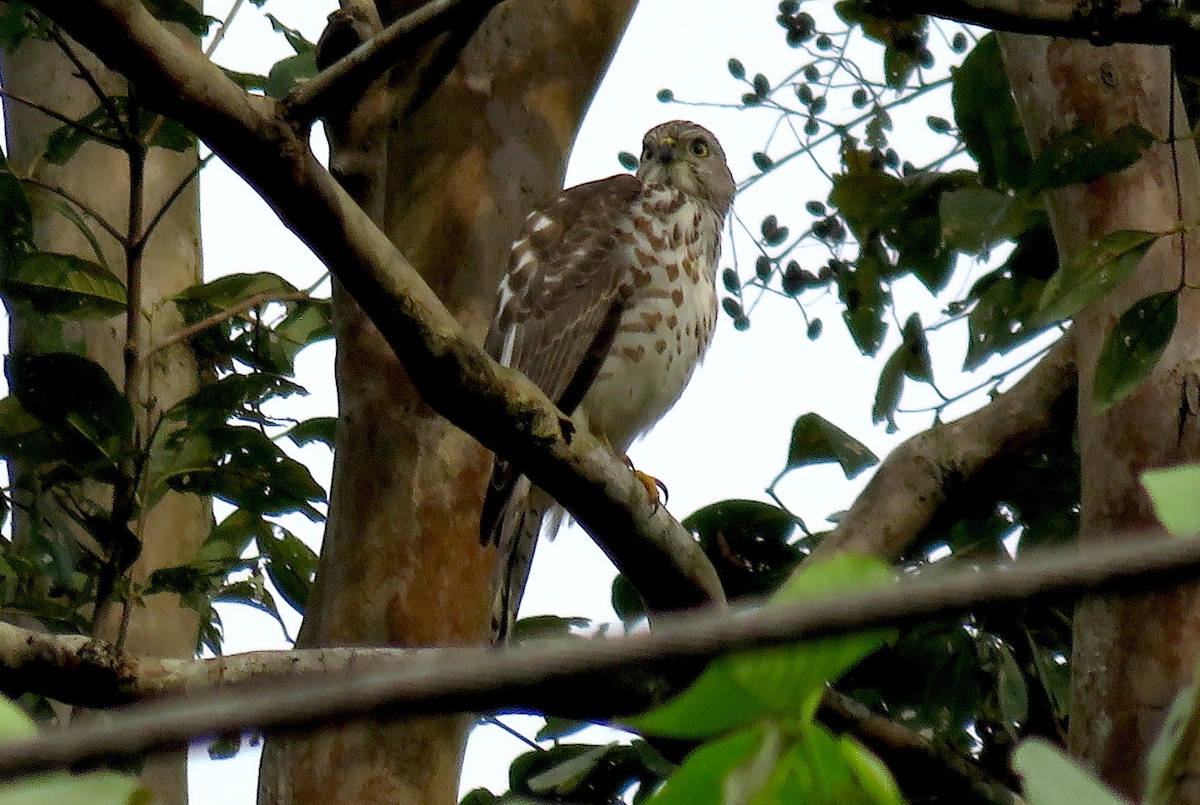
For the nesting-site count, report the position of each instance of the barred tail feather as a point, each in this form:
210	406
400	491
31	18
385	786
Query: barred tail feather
516	532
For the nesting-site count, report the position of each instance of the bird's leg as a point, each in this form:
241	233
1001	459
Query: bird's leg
653	485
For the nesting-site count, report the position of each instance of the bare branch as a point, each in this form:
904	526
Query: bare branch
1102	23
498	406
61	118
920	475
485	680
83	206
348	76
173	196
224	315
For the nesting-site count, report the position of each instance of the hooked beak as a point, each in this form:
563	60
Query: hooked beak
663	151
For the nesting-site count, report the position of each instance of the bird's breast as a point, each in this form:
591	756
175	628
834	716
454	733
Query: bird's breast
670	312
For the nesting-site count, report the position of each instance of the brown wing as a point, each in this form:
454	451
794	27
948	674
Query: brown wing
559	306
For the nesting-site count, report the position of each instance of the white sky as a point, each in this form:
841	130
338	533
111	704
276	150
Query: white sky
728	435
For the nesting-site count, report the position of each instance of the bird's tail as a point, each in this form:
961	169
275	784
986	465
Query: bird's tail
516	533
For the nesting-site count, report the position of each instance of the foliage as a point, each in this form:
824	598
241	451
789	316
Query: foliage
89	455
98	788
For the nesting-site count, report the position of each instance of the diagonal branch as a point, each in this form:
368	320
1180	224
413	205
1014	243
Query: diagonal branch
1102	23
349	75
532	676
924	472
498	406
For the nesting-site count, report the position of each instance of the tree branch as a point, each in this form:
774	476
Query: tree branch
1101	23
531	676
498	406
921	474
350	75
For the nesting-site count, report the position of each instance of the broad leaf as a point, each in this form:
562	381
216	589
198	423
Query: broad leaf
1082	155
287	73
315	429
65	285
16	218
816	440
1133	347
788	681
1173	491
987	117
291	566
1093	272
751	544
976	219
1052	778
182	12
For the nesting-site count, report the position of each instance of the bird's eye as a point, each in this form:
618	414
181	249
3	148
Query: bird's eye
700	148
646	154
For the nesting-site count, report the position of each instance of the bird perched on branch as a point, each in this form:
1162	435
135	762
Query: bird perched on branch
608	305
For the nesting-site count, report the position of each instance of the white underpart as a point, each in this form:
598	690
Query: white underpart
629	397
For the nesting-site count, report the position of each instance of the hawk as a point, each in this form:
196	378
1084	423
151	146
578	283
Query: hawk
608	305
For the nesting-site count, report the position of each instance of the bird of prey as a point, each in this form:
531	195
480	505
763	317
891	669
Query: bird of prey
608	305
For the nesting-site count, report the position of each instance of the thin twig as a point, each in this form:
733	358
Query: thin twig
489	680
89	78
349	74
83	206
60	117
220	34
216	318
172	198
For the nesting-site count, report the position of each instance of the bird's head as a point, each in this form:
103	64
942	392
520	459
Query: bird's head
687	157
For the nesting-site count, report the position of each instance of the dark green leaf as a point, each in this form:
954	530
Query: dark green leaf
479	796
1093	272
627	602
225	747
548	627
247	81
253	593
15	25
293	36
976	219
1133	347
66	140
182	12
891	386
232	289
65	285
317	429
557	727
1082	155
287	73
75	396
917	363
291	565
816	440
16	219
1011	690
750	543
986	116
242	466
863	294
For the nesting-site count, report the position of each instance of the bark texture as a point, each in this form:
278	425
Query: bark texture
99	176
401	563
1131	653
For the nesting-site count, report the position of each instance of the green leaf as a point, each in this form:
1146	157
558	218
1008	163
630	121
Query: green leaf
816	440
986	116
891	386
15	26
1133	347
1082	155
199	301
291	566
1052	778
97	788
293	36
566	776
242	466
182	12
16	218
750	543
247	81
65	141
1173	491
975	219
1169	761
1093	272
1006	299
788	681
627	602
287	73
76	397
315	429
65	285
701	778
1011	689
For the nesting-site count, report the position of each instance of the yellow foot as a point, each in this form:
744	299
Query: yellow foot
653	486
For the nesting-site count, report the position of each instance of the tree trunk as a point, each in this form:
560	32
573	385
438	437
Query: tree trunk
401	562
1131	654
98	175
